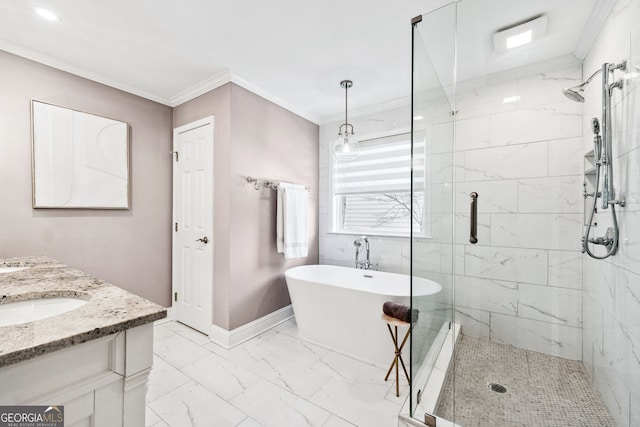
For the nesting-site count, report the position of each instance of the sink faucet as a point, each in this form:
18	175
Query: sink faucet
359	243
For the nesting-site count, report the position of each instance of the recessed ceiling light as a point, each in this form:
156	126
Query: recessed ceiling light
47	14
509	99
520	34
418	118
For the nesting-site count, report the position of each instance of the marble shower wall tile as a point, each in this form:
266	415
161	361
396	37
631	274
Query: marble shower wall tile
475	323
546	87
462	229
611	286
550	304
541	231
566	157
473	133
426	255
551	121
551	195
511	162
496	296
441	138
629	252
544	337
565	269
516	265
493	196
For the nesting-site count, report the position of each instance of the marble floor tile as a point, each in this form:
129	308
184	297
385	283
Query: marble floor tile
179	351
301	351
162	331
163	379
282	369
193	405
221	376
351	370
193	335
276	407
250	422
270	380
336	421
289	327
358	404
152	419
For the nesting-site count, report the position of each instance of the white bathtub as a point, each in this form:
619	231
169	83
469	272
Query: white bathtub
340	308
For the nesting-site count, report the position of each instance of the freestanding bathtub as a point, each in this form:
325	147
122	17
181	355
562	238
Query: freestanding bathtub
340	307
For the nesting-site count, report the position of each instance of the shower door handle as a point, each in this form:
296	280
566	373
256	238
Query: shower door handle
473	232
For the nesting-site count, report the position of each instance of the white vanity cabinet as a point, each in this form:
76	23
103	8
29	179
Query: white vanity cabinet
101	382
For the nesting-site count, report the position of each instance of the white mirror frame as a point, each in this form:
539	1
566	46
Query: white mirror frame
79	160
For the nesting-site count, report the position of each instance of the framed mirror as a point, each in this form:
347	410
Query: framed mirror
79	160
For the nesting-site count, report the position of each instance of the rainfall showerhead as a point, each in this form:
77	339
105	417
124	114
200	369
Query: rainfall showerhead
574	93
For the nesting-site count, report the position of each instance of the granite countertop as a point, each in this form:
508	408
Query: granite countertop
109	309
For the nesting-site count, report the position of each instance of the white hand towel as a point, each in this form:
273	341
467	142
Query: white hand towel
280	220
292	220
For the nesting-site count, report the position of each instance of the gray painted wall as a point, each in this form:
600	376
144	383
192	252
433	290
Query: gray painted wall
253	137
267	142
129	248
217	103
132	248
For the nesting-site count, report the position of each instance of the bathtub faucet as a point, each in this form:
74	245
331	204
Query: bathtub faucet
359	243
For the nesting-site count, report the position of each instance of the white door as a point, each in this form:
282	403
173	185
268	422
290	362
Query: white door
193	224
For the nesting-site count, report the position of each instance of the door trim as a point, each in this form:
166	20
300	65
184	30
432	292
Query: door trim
209	120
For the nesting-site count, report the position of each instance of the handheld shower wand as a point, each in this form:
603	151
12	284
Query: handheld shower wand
602	155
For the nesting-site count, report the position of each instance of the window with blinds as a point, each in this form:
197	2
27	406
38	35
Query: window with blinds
373	192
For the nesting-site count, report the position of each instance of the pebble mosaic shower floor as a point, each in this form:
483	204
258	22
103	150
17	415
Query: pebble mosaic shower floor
542	390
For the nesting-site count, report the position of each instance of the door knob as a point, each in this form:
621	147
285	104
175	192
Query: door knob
204	240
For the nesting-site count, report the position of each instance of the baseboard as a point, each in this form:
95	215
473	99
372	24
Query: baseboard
230	339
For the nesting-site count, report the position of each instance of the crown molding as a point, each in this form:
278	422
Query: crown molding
226	76
240	81
43	58
219	79
599	15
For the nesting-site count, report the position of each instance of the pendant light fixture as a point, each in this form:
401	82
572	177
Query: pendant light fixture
346	147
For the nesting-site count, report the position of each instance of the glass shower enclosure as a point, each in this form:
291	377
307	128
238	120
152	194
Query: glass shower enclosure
526	329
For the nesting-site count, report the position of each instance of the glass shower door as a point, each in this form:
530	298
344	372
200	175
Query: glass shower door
542	341
432	248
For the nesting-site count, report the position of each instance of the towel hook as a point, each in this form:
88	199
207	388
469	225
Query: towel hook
256	183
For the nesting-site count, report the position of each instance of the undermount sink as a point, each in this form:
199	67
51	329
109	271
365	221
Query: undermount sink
10	269
13	313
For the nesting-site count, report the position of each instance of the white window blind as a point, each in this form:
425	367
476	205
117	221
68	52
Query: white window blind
373	192
383	166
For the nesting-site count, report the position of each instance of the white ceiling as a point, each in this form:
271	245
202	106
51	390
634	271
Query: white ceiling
296	52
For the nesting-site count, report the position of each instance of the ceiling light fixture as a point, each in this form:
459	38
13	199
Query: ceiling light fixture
346	148
47	14
519	39
418	117
520	34
510	99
